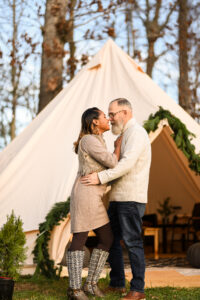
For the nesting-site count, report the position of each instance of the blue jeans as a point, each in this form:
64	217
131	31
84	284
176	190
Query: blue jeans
126	224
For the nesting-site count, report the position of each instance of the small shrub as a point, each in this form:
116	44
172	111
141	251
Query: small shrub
12	250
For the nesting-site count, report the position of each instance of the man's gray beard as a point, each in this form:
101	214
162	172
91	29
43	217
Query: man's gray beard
117	128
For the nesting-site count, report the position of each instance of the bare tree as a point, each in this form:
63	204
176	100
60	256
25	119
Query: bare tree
52	51
193	57
14	89
129	7
92	20
183	84
150	16
14	71
72	46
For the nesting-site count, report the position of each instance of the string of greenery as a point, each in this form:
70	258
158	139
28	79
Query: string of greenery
45	266
180	135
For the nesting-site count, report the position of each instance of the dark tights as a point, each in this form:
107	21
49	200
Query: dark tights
103	233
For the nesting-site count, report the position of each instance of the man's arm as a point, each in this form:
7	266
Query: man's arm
133	148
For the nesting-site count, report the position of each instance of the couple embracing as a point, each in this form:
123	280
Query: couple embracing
127	168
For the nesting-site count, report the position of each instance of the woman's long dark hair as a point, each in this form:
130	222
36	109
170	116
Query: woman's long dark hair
87	125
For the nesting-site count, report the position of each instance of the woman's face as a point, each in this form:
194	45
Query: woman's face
102	123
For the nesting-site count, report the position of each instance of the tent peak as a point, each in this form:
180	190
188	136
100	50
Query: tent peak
112	47
96	62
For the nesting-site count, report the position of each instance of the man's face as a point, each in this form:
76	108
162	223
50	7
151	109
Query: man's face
116	117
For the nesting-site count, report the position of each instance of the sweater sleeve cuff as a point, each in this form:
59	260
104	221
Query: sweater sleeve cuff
103	178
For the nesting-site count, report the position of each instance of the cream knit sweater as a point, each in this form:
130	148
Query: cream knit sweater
130	177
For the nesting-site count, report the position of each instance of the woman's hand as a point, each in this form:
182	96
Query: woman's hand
118	142
117	145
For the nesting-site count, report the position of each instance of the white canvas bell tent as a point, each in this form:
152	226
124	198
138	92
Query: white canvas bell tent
38	168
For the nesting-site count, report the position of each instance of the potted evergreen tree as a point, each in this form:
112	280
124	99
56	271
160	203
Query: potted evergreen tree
165	210
12	255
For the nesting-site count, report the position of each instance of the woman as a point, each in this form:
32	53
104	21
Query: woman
86	207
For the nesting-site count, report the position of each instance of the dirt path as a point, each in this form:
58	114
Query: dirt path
160	277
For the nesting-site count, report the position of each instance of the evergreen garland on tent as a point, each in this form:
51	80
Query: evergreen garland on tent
45	266
181	136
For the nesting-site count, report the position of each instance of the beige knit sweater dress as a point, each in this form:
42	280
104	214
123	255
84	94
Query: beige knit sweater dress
86	207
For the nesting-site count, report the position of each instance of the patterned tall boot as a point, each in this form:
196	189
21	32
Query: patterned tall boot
96	265
75	265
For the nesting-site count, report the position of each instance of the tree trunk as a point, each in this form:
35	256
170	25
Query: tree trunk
129	28
72	47
151	59
13	73
184	86
52	51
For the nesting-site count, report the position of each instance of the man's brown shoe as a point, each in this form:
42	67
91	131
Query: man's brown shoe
119	290
133	295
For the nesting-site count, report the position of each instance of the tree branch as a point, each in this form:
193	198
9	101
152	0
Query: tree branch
161	27
156	16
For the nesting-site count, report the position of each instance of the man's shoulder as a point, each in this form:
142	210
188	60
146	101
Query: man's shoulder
136	127
137	134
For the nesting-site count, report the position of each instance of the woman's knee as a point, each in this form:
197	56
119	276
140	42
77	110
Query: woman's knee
105	237
78	241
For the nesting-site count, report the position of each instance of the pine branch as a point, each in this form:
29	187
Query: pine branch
181	136
45	265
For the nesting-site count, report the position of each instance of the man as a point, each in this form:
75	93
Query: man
128	197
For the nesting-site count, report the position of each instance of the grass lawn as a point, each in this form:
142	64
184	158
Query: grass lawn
44	289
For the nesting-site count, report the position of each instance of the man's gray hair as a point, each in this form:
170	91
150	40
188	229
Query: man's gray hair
122	102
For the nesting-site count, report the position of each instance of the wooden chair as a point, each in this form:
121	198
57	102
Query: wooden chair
186	226
150	228
153	231
179	226
194	223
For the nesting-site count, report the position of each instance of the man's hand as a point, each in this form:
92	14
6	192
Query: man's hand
90	179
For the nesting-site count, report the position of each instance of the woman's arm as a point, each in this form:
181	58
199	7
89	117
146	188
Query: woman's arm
91	145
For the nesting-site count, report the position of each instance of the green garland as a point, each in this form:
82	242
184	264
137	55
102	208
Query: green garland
181	136
45	266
